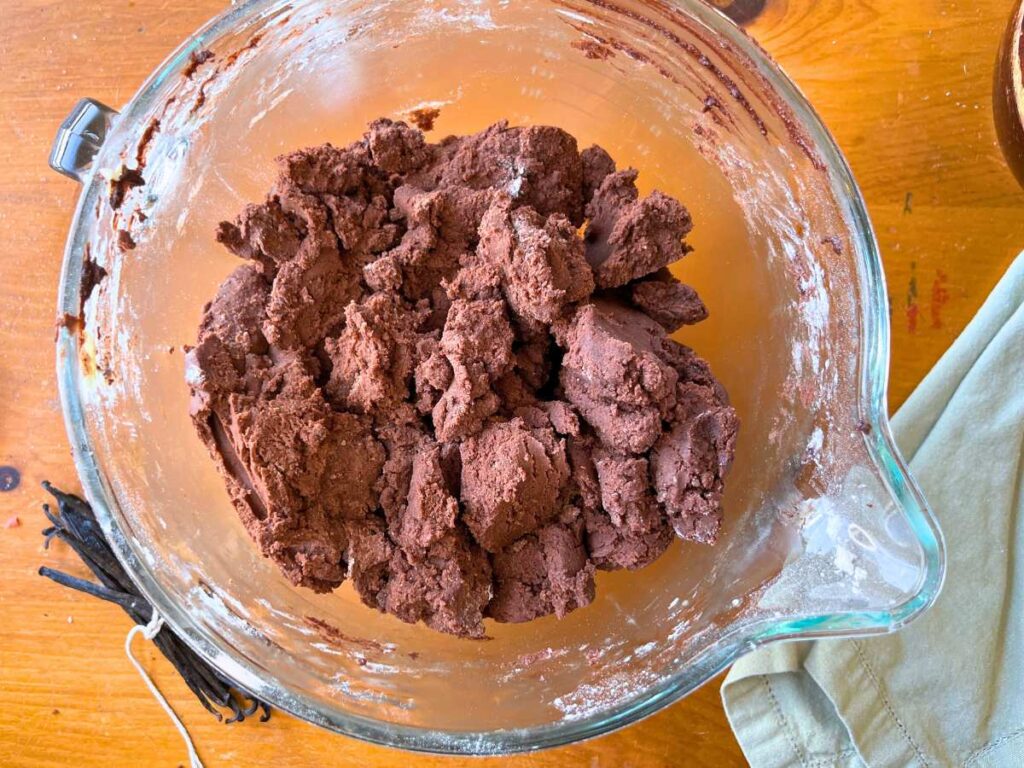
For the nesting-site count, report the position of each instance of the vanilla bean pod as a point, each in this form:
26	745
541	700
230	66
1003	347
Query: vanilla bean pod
73	523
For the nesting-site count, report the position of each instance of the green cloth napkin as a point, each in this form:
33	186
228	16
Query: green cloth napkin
949	689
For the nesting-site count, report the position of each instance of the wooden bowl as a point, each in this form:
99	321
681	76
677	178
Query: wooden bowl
1008	95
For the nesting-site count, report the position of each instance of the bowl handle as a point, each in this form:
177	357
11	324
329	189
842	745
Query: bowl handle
80	137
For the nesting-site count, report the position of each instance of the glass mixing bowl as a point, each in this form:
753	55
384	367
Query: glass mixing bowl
826	534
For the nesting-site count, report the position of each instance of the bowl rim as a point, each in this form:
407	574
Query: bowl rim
742	638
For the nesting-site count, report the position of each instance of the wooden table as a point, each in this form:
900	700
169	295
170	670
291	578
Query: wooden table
904	86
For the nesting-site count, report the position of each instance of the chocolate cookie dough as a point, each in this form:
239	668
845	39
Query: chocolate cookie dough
445	373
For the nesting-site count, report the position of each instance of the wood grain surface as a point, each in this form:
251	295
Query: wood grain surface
904	86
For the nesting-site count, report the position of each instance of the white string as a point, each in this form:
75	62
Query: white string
149	632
